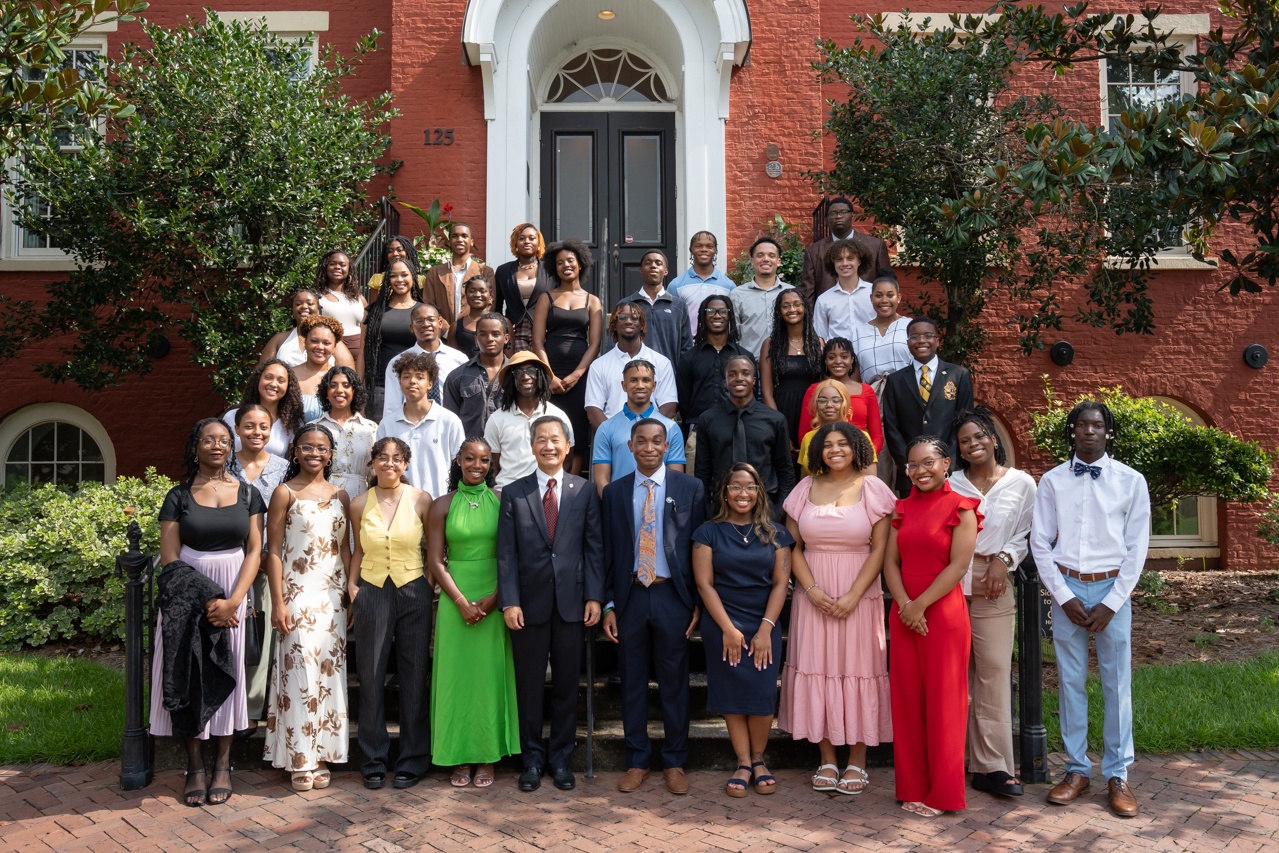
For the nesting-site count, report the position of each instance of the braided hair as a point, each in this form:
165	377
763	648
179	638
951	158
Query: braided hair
350	287
509	394
373	325
190	461
839	343
290	411
777	352
981	417
295	464
359	394
936	444
455	468
1072	419
406	244
734	333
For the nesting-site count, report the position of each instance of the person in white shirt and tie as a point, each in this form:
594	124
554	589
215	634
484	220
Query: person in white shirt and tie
839	311
1089	535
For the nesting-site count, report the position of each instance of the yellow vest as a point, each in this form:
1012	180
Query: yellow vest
394	552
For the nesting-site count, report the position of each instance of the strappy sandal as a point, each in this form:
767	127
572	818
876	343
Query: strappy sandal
322	777
865	780
194	799
820	780
224	792
770	782
922	810
303	780
461	776
484	778
738	787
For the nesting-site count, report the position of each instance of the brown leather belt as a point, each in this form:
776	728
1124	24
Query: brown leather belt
1088	578
635	580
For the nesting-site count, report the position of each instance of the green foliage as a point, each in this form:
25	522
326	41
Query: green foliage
39	90
59	710
1177	458
205	208
792	256
1268	520
57	557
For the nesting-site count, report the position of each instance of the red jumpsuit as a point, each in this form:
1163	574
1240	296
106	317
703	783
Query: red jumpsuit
928	675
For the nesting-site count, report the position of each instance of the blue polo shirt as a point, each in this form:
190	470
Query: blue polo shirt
692	288
612	436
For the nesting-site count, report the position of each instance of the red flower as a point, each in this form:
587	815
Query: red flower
448	208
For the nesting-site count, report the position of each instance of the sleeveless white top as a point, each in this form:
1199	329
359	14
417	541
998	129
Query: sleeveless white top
347	311
291	352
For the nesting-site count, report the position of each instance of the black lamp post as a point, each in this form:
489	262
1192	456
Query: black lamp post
1030	693
137	758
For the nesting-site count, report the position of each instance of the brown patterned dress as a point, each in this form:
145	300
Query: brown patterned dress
308	720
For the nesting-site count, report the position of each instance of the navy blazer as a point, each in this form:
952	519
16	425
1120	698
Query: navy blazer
533	575
683	513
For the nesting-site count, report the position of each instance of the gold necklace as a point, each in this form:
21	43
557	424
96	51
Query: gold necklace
745	536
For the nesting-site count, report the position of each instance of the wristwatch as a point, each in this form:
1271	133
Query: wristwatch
1005	558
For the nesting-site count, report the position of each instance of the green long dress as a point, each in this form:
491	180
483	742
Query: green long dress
474	719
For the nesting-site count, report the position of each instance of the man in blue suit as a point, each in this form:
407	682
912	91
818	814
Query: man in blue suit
649	517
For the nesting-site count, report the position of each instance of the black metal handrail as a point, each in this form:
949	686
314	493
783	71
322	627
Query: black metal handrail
820	228
1031	626
137	755
368	260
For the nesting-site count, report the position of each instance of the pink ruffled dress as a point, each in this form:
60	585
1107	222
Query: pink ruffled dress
835	679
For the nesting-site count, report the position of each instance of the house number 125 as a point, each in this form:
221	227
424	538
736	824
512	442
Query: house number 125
439	136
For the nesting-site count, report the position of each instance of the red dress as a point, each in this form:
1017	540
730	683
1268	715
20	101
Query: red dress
928	675
863	413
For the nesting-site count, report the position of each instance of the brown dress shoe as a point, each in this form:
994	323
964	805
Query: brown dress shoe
632	779
1122	802
676	781
1068	790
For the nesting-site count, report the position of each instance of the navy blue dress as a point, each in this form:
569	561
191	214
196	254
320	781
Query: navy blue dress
744	581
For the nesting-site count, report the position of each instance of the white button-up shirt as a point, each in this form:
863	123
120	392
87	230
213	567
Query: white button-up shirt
543	481
604	380
1006	513
932	372
352	452
447	360
839	312
879	355
754	307
433	443
507	432
1099	525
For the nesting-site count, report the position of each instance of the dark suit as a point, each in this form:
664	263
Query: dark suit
907	416
552	586
651	621
507	299
815	280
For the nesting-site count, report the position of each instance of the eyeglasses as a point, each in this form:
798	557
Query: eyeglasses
914	338
715	312
736	489
525	371
926	465
215	442
314	448
424	321
394	460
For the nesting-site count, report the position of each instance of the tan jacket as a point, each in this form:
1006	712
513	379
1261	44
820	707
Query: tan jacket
437	290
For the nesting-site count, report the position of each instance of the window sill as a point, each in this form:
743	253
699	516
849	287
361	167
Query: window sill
1189	552
1168	262
37	265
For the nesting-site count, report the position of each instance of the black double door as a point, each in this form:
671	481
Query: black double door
609	179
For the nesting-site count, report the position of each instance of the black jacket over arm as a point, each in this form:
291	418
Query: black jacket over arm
907	416
684	512
536	577
199	669
507	298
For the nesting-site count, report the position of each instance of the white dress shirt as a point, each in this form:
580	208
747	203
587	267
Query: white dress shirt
352	452
1099	525
507	432
447	359
838	312
754	306
604	380
1006	513
543	481
880	355
932	372
433	443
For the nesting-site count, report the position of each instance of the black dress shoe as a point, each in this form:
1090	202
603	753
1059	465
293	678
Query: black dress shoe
404	779
241	734
563	778
374	781
531	779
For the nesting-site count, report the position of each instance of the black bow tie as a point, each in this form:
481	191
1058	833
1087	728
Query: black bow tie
1081	469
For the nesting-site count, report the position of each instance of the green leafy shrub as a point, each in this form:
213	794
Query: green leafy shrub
1268	520
57	557
792	257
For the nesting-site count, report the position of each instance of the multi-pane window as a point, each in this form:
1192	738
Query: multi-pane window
609	75
54	452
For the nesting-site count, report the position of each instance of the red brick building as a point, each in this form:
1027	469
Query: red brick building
639	122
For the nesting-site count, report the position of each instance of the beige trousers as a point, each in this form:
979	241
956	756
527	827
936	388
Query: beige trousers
990	723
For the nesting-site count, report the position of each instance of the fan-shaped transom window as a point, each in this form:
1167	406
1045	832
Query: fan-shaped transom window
54	452
607	75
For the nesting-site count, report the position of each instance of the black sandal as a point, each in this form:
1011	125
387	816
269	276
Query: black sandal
220	791
194	799
996	783
771	781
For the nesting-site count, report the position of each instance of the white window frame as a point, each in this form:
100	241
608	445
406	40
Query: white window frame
16	425
1204	543
293	26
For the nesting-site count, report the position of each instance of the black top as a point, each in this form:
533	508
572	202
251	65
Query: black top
462	339
397	336
700	377
766	446
207	528
507	299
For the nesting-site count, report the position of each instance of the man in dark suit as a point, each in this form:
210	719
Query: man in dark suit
550	582
922	399
814	278
649	519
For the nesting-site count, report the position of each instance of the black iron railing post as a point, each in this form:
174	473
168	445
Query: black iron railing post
137	759
1034	737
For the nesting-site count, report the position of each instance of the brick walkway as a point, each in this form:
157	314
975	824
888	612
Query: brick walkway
1202	802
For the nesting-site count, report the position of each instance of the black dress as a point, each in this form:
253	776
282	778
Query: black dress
792	384
568	335
462	339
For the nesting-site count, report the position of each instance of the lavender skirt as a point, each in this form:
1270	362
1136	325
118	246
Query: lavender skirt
223	568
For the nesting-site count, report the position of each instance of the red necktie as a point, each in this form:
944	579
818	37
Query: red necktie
551	508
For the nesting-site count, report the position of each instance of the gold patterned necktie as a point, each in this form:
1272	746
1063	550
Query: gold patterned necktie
925	385
646	565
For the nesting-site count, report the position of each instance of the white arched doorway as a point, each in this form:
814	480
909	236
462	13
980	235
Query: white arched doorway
521	46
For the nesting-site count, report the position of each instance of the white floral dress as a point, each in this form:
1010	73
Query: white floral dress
308	720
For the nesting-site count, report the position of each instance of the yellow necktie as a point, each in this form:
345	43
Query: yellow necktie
924	385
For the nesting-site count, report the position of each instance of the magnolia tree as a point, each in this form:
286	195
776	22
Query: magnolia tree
200	211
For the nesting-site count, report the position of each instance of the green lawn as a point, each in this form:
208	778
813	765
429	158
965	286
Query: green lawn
1191	705
59	710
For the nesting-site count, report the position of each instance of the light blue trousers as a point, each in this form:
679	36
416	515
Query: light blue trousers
1114	659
